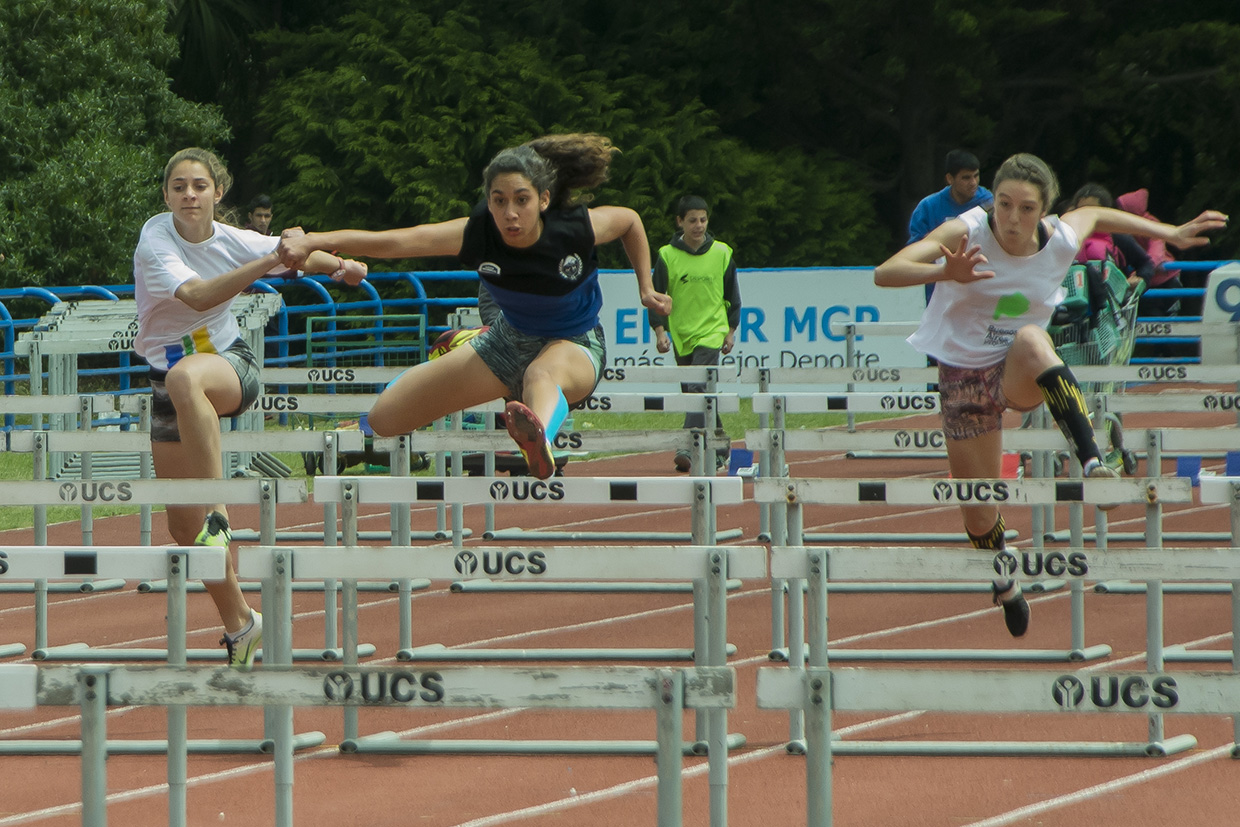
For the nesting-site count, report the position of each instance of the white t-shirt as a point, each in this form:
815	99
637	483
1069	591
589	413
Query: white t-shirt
169	329
973	325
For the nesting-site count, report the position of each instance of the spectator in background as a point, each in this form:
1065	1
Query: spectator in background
699	273
963	192
258	215
1123	249
1137	203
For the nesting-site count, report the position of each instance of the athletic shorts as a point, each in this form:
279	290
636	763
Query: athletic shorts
508	352
164	414
972	399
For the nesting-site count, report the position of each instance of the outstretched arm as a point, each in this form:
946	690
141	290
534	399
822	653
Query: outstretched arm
1087	220
944	255
611	223
424	240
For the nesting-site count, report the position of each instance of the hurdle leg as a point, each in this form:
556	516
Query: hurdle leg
817	712
796	627
669	758
93	683
778	526
178	726
402	535
331	588
348	519
280	647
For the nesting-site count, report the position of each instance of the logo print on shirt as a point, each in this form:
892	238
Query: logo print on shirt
570	267
1012	306
488	268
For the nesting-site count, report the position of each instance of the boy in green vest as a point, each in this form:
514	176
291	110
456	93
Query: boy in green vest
699	273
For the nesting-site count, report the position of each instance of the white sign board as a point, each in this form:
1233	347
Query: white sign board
786	320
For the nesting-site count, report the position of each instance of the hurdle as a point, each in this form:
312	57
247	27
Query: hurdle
264	493
820	690
177	564
666	692
703	494
795	493
708	564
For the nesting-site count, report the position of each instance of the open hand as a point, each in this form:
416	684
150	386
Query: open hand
961	264
1190	234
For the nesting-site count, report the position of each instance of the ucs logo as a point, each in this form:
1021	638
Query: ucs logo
330	374
594	403
1162	372
380	687
96	492
1222	403
120	342
493	562
918	439
277	403
876	375
524	490
1106	691
4	563
613	374
1033	564
569	441
906	402
971	491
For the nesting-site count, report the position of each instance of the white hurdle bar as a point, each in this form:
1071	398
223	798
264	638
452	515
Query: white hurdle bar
709	567
702	494
819	566
667	692
264	493
818	691
177	564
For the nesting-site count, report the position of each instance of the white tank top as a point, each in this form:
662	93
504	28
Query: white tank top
973	325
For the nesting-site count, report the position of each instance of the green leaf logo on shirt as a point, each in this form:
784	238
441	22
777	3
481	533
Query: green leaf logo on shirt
1012	305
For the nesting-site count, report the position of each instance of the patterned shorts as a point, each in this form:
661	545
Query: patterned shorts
972	399
508	352
164	414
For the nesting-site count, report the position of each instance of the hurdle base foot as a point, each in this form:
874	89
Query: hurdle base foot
389	743
437	652
1159	749
780	655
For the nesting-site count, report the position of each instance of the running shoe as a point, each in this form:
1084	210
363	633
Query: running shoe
1015	611
1101	471
528	432
243	647
682	461
215	531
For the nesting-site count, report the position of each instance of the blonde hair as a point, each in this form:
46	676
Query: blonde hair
1033	170
219	173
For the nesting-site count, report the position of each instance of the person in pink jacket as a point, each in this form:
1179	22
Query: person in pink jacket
1137	203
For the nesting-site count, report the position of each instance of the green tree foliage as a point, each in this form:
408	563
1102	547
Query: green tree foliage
88	122
387	117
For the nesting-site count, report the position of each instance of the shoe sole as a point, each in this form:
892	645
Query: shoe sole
531	439
682	464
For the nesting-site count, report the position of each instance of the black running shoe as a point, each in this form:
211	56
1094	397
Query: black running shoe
1015	611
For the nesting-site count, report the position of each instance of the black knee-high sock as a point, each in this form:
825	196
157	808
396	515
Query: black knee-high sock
995	540
1067	405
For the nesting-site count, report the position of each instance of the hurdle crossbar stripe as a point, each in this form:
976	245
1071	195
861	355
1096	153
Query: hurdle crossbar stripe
151	491
123	562
1002	691
974	491
917	402
892	439
137	441
589	440
566	490
861	563
494	687
569	563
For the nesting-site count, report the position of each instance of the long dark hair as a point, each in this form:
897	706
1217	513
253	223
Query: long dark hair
564	165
